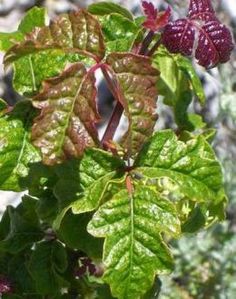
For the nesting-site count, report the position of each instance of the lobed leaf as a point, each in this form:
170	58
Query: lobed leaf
134	251
16	151
190	165
66	125
136	79
90	179
97	170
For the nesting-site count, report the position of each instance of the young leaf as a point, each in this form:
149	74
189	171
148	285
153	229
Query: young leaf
122	39
214	40
137	80
35	17
16	151
133	256
77	32
66	126
191	166
97	169
106	8
178	83
47	265
155	20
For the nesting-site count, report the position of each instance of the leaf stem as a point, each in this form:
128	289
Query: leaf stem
146	42
117	112
154	48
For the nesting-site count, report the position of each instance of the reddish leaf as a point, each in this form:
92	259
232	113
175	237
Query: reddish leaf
214	44
78	32
155	20
213	39
178	37
149	10
201	10
136	79
66	126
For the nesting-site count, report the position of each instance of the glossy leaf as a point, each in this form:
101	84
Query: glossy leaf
106	8
77	32
213	39
123	38
66	125
178	83
155	20
16	151
137	82
35	17
97	170
191	166
31	70
134	251
47	265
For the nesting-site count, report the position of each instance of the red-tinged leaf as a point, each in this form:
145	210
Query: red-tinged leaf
149	10
155	20
78	32
201	10
66	126
179	36
213	39
136	79
214	44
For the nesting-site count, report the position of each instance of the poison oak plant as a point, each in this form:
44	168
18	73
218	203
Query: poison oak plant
98	214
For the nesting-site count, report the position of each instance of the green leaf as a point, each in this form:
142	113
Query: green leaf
31	70
137	81
66	125
133	256
74	234
16	151
106	8
188	169
24	228
97	170
19	274
122	39
35	17
92	180
47	265
178	83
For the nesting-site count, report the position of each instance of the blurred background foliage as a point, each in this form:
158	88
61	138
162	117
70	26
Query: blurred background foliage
206	263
